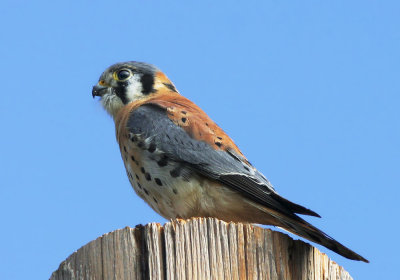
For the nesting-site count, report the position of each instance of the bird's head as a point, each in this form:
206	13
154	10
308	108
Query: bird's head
126	82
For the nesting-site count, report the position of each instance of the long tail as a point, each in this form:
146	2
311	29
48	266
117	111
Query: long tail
298	226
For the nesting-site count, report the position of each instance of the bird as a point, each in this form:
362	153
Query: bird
184	165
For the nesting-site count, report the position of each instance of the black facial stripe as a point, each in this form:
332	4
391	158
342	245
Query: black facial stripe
120	92
147	81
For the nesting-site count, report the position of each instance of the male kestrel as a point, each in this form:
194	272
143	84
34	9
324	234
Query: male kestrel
184	165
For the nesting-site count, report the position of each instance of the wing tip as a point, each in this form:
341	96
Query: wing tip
357	257
311	213
364	260
353	256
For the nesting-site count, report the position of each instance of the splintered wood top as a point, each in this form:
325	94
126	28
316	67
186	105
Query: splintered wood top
199	248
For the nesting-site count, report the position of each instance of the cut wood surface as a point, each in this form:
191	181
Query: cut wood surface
200	248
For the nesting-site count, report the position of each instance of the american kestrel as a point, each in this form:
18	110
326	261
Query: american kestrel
184	165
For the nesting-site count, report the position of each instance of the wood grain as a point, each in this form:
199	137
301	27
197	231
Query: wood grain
199	248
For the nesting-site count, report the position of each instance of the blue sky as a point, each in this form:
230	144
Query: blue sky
309	91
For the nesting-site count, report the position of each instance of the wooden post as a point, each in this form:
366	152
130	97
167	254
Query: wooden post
200	248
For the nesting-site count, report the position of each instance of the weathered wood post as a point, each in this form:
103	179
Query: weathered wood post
200	248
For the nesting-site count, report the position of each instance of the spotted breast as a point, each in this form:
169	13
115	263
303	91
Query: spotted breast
167	184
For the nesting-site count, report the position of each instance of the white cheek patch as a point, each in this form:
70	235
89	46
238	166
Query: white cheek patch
134	89
111	103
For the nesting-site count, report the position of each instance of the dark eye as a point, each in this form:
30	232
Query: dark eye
124	74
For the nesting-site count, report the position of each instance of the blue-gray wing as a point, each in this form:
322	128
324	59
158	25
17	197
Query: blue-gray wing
226	166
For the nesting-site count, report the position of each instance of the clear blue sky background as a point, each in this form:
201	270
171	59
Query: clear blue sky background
308	90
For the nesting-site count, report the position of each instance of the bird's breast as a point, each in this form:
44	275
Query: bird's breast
170	188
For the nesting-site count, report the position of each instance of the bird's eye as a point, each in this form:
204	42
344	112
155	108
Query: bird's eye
123	74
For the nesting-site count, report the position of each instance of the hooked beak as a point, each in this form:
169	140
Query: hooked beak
99	90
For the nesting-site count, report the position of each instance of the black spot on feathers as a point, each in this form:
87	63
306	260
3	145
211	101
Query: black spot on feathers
134	138
175	172
163	161
170	86
158	181
219	144
147	176
152	148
